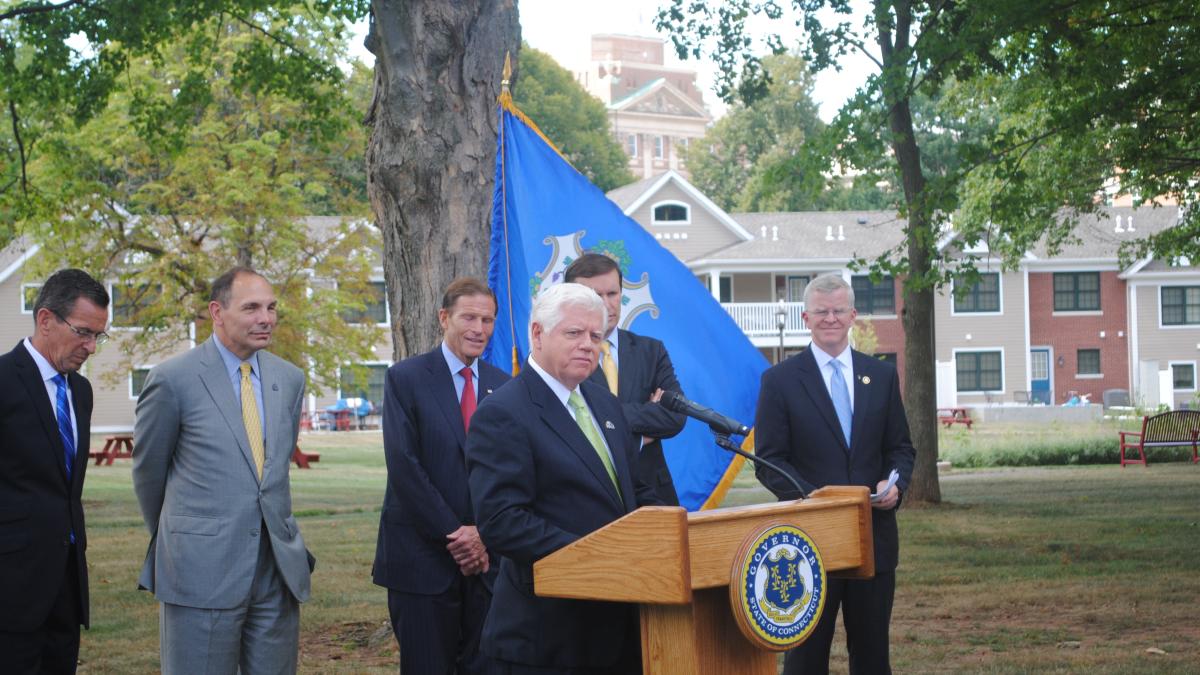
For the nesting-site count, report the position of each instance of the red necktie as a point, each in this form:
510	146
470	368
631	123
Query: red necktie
467	402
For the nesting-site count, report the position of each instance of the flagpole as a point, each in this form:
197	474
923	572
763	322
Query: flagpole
505	103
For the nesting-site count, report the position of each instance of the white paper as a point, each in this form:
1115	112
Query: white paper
892	478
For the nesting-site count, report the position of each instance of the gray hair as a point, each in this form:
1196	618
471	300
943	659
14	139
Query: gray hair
829	282
548	305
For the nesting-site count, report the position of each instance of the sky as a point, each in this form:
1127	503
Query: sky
563	29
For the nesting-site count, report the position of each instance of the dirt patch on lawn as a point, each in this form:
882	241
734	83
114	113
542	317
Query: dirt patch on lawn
351	645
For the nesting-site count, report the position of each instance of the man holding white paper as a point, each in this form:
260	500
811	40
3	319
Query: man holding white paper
833	416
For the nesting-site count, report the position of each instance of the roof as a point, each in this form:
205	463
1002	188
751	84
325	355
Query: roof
814	235
1100	235
627	194
663	107
13	256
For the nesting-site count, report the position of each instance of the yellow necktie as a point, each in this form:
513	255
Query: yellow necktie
584	419
609	367
252	421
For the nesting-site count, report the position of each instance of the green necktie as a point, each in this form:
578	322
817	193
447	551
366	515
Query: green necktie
584	419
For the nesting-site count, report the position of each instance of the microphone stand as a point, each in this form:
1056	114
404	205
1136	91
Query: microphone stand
724	442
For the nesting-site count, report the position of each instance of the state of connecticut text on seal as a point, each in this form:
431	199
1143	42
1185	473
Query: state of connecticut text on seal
777	588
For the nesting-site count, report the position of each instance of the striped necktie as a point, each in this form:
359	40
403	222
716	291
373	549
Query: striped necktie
584	419
251	419
62	411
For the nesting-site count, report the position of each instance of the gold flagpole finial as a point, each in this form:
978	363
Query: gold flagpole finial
507	74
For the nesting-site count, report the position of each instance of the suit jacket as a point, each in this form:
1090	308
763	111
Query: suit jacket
39	507
797	428
538	485
642	367
427	496
197	486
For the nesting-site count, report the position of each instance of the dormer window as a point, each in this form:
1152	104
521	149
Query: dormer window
672	213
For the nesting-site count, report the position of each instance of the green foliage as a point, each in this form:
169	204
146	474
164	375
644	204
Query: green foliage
1051	444
171	207
574	120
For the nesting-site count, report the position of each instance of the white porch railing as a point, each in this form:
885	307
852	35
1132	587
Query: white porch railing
759	319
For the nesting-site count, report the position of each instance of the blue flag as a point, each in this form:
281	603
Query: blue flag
544	215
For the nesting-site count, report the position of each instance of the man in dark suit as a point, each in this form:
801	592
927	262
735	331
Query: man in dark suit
429	555
549	457
824	431
637	370
45	420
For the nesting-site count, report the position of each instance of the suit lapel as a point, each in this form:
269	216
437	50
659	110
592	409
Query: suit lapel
220	388
627	365
274	414
862	396
814	385
615	443
83	425
442	383
555	416
31	378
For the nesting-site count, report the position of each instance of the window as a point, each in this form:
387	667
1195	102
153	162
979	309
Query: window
984	296
1087	362
979	371
671	213
1180	305
659	147
129	301
375	309
1076	291
373	391
29	297
631	144
137	380
790	288
874	297
1183	376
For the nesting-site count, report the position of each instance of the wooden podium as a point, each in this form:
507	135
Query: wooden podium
677	566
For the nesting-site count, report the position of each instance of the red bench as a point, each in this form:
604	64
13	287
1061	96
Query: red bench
952	416
1170	429
117	446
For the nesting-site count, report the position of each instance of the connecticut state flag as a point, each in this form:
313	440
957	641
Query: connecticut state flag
544	215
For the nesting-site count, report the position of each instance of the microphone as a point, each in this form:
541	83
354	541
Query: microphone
719	423
722	426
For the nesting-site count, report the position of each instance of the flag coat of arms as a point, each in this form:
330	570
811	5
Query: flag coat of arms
544	215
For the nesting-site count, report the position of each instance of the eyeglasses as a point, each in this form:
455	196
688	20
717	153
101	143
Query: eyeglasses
820	314
83	333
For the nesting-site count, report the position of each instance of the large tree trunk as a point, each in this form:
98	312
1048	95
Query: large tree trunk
920	391
431	157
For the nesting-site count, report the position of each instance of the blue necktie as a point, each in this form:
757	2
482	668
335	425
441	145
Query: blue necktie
841	398
63	413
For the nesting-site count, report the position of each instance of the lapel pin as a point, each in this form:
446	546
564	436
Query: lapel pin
275	387
609	425
489	391
866	379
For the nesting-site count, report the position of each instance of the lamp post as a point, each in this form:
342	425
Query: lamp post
781	315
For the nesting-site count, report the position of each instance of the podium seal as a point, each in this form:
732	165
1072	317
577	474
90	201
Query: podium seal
777	587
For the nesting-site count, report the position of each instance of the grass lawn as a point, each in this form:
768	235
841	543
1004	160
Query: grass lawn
1048	569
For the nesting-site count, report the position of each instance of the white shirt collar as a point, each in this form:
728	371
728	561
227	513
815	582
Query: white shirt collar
47	371
824	358
560	390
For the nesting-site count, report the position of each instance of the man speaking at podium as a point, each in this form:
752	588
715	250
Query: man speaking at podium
833	416
549	457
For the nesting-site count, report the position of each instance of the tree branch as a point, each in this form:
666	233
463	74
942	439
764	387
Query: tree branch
16	127
29	10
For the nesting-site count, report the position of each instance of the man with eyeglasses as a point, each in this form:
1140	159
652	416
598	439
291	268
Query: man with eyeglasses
45	418
833	416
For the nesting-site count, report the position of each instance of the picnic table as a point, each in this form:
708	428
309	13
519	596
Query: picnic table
117	446
302	458
952	416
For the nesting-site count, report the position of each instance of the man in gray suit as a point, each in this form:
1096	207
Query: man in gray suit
214	434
